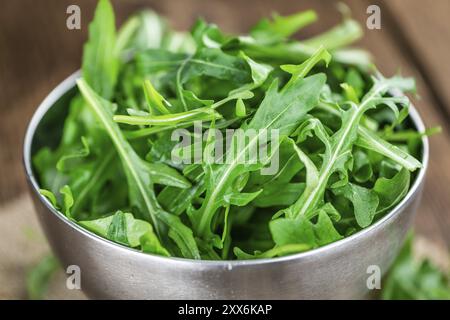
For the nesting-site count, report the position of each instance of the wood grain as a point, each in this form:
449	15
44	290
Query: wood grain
427	37
38	51
25	247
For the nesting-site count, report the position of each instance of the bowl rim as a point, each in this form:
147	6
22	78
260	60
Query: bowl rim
70	82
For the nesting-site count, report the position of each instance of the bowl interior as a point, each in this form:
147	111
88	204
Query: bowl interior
48	132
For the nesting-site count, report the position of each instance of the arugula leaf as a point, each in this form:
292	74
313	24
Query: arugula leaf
338	147
100	62
362	167
413	279
369	140
38	278
206	62
67	200
296	235
141	194
391	191
282	27
281	110
148	30
274	252
200	114
50	196
279	194
289	231
139	178
340	36
125	229
214	63
324	229
365	202
155	99
274	46
64	163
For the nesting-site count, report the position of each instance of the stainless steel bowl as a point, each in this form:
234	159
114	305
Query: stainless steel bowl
108	270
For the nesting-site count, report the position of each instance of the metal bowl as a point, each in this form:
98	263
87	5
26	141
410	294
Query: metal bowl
111	271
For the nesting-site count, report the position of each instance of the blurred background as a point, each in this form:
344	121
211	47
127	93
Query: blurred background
37	51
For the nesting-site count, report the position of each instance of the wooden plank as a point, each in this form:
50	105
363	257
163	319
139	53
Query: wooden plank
37	52
22	247
427	33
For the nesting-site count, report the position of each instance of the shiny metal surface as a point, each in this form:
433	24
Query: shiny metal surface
111	271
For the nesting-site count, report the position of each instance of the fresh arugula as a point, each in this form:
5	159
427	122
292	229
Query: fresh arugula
411	278
39	277
347	150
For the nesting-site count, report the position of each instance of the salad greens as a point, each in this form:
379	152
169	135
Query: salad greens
345	147
415	279
39	277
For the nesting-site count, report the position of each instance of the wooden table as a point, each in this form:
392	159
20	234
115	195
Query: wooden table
37	51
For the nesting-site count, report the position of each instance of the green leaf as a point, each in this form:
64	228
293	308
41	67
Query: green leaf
181	235
259	72
193	101
117	229
410	278
292	231
279	110
67	200
300	71
165	175
206	62
324	230
274	49
148	30
391	191
38	278
50	196
139	179
215	63
125	229
154	98
339	36
350	92
241	198
278	251
289	167
139	183
283	26
365	202
312	176
369	140
279	194
199	114
100	62
339	146
65	163
240	108
362	167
